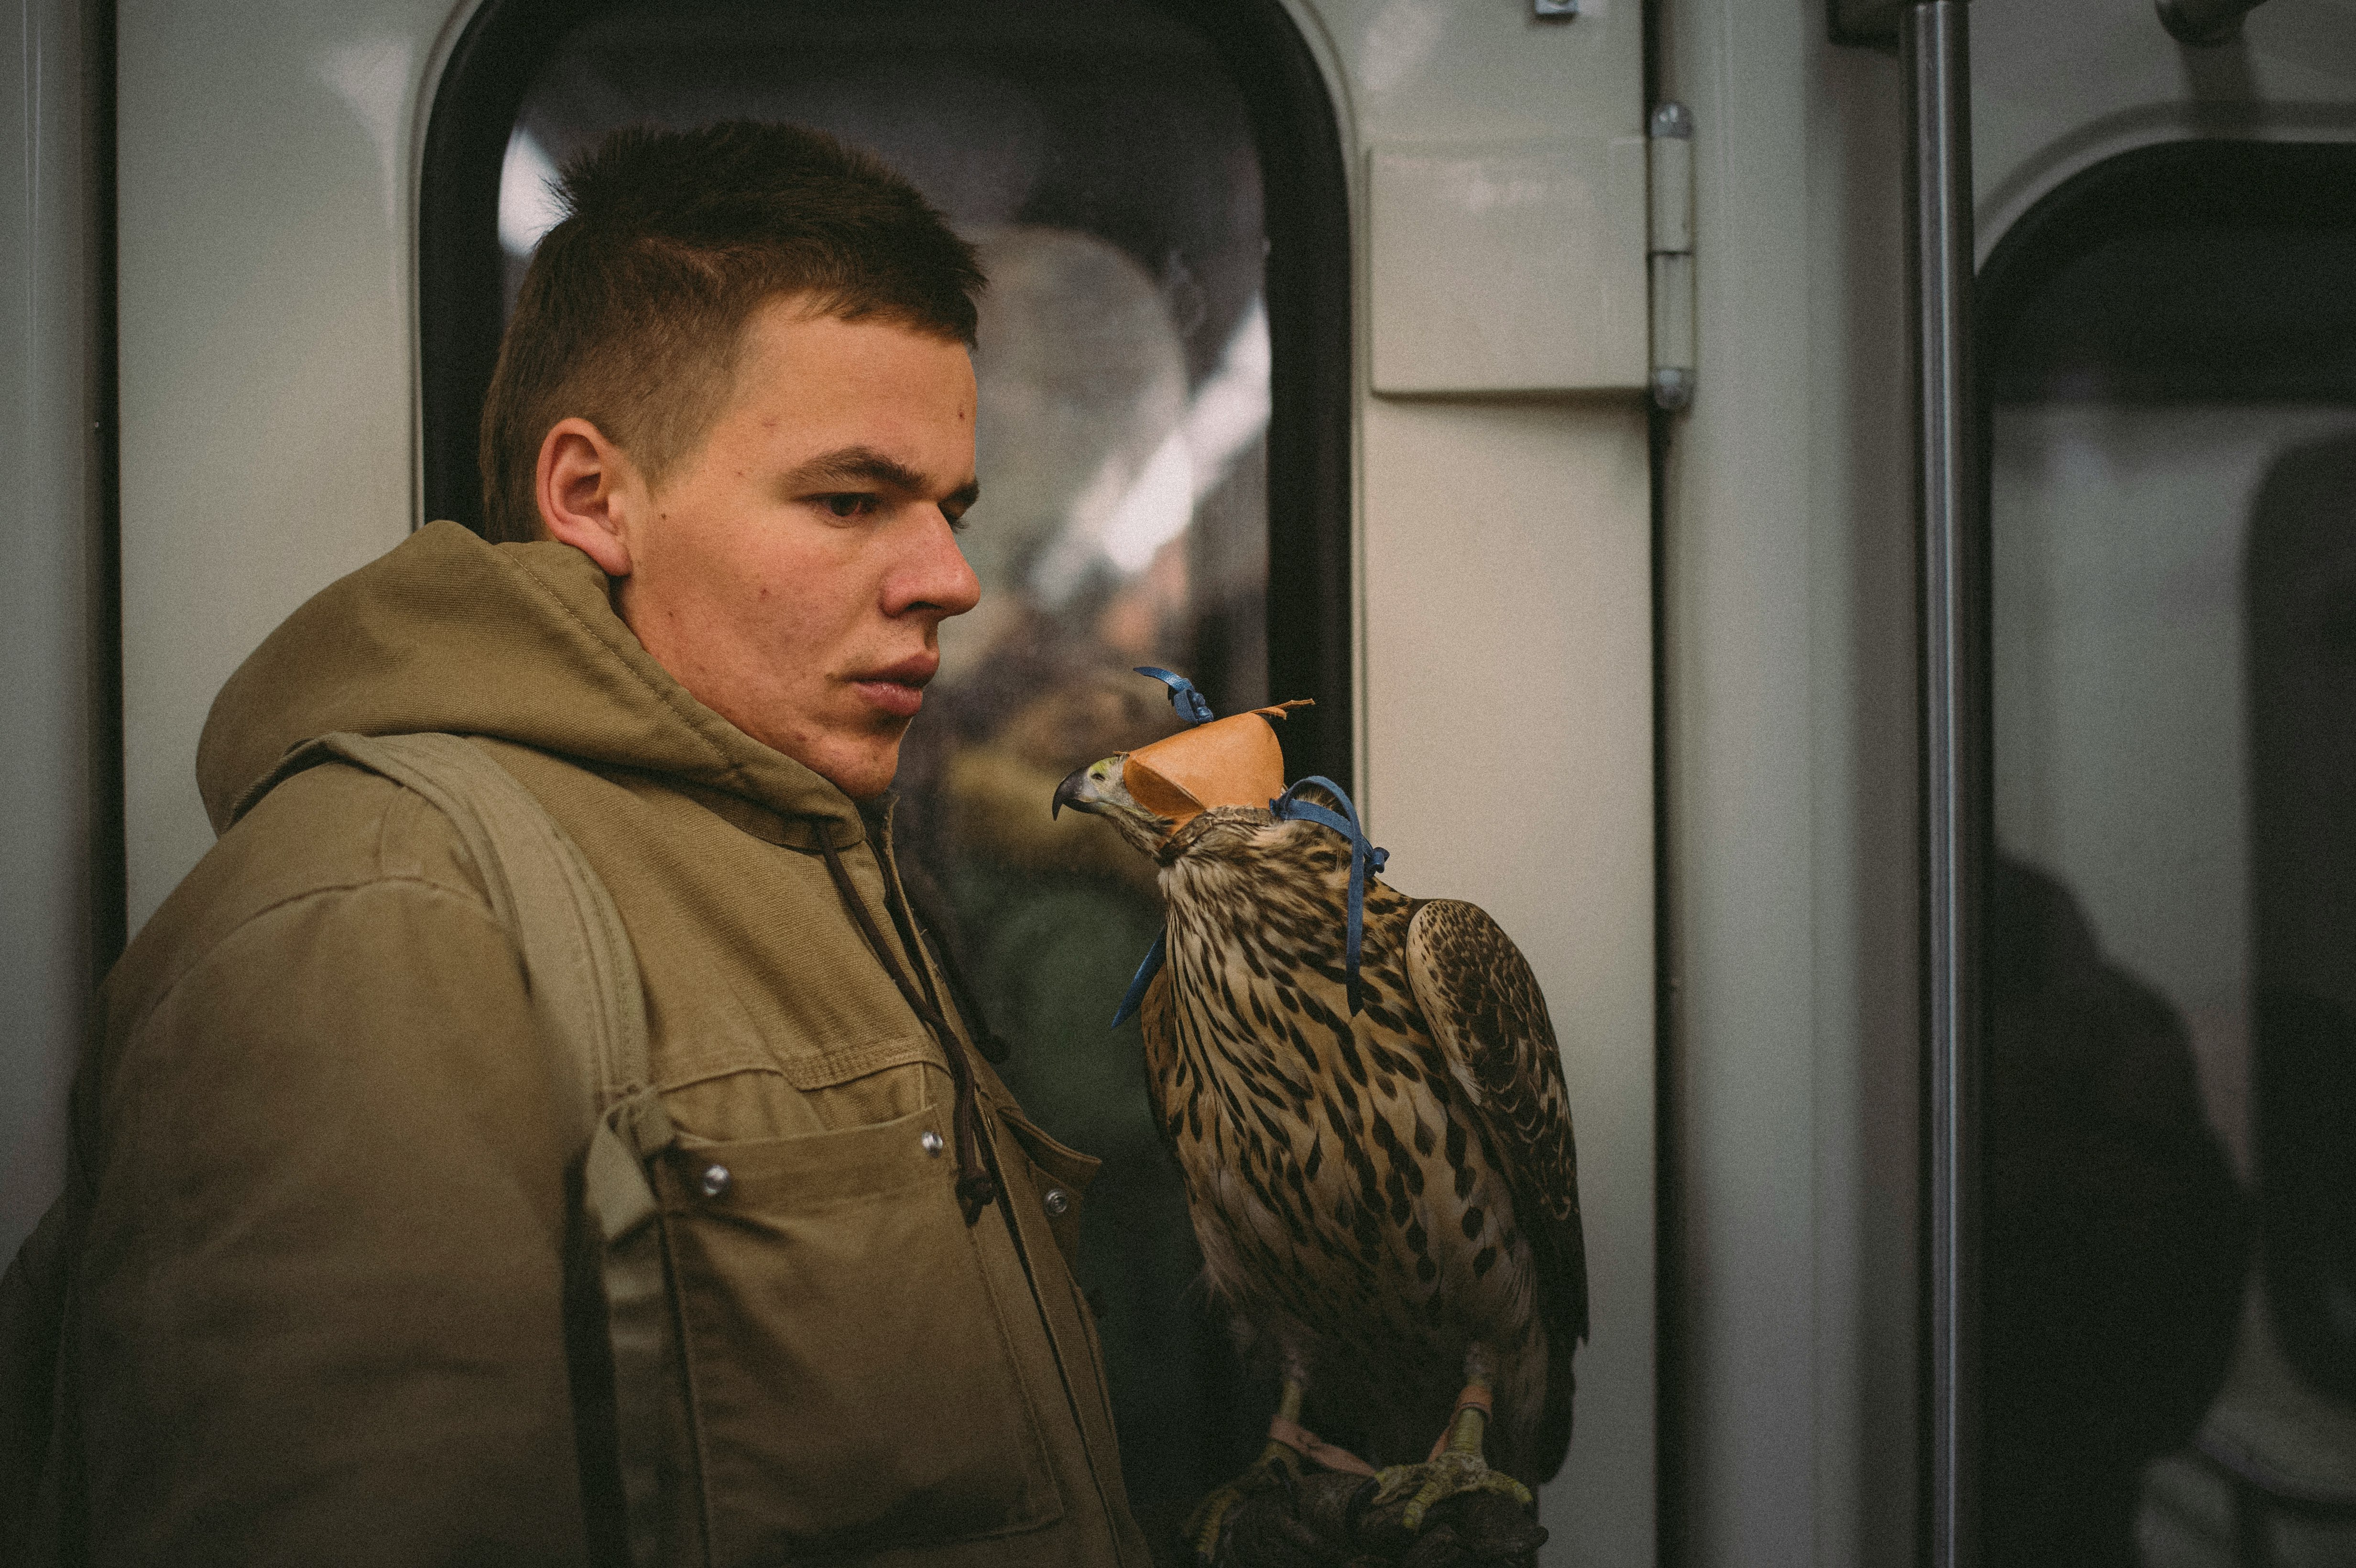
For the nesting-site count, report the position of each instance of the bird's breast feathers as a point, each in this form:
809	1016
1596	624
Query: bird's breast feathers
1332	1168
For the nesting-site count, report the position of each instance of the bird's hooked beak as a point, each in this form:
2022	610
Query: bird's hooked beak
1101	789
1093	788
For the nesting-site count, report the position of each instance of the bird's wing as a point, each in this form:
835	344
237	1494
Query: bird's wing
1485	1012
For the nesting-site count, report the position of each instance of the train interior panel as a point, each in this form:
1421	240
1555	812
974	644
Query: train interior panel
1836	524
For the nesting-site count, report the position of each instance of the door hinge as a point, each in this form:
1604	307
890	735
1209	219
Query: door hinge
1669	251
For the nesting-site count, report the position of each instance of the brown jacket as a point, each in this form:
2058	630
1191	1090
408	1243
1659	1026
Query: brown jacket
325	1310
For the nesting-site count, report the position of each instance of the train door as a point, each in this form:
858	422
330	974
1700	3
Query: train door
2168	227
1314	363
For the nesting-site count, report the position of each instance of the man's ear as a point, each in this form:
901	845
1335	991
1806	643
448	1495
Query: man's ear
585	487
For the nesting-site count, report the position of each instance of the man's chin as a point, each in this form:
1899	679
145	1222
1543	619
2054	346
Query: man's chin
862	769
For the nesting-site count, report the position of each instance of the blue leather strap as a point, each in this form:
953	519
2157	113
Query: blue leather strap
1366	859
1134	998
1192	705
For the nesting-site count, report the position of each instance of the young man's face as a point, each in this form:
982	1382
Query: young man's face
794	572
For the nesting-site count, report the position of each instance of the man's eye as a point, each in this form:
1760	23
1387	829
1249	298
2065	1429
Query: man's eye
849	506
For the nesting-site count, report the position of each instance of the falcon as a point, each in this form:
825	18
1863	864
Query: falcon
1364	1100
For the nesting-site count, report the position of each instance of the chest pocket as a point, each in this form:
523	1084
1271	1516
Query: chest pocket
846	1347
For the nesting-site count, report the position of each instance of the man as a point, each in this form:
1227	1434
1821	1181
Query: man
329	1308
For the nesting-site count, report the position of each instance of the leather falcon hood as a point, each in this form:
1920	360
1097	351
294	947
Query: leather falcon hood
1234	761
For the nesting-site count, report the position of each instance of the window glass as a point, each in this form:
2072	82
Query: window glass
1105	165
2170	1216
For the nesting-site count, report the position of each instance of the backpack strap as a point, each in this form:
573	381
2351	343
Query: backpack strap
590	1005
585	977
591	1009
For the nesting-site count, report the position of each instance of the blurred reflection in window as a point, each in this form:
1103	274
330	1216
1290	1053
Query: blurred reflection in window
2172	357
1105	167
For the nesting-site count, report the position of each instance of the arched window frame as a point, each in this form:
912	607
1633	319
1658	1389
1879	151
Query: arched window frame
1304	179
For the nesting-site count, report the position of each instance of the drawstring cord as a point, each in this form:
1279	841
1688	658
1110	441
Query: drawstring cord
977	1189
925	930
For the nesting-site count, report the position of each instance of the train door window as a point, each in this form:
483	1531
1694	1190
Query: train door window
2169	1173
1162	360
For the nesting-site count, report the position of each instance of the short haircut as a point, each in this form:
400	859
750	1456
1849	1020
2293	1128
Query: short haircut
634	307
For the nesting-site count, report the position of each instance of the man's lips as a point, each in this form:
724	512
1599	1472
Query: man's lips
898	690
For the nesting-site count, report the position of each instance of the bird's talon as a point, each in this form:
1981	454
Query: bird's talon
1393	1481
1450	1474
1203	1524
1276	1463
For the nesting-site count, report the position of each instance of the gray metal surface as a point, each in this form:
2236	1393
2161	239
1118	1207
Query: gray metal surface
1865	22
48	594
1935	64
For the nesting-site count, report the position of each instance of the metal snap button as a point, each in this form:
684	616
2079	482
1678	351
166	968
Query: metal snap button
931	1142
714	1180
1057	1201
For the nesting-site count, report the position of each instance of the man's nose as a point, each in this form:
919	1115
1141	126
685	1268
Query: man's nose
933	573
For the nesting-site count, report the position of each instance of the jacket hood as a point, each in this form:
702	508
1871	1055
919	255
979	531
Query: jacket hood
515	642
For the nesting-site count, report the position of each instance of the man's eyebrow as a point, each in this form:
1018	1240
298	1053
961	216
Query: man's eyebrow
864	465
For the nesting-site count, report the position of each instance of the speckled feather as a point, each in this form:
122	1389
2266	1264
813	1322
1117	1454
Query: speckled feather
1375	1197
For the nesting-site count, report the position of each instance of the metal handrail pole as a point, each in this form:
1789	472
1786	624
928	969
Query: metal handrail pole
1932	41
